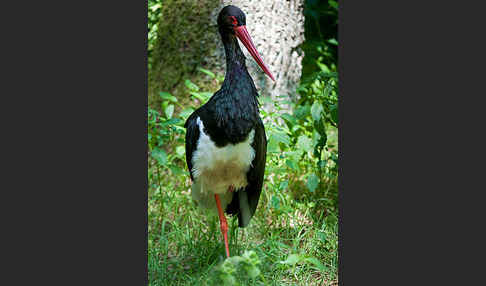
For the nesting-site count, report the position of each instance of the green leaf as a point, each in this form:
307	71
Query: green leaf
281	137
317	264
186	112
316	110
322	164
155	7
167	96
292	164
294	155
322	236
169	110
202	96
319	142
206	94
331	220
227	278
312	182
302	111
289	119
334	157
332	41
253	271
275	202
160	156
302	89
171	121
265	100
333	4
315	138
209	73
180	150
281	245
320	127
176	170
323	67
297	127
292	259
272	146
304	143
334	113
180	128
327	90
191	85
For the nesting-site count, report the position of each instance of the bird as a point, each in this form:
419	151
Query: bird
225	138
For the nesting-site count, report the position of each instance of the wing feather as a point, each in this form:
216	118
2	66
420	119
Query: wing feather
192	135
244	204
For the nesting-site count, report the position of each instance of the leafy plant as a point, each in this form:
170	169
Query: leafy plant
238	270
301	137
163	130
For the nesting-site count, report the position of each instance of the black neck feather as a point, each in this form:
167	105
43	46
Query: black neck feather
235	64
235	105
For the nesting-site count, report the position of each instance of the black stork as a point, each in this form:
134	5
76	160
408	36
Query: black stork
226	143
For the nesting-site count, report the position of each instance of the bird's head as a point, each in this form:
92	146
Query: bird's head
232	22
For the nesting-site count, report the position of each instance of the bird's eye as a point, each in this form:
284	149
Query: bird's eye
233	20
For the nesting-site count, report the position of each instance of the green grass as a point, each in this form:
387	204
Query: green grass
186	246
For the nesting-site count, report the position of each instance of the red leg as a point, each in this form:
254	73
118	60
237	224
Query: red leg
223	224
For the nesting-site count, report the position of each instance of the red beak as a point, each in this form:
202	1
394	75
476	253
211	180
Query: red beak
245	38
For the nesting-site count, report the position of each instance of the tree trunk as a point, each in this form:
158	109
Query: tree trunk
188	38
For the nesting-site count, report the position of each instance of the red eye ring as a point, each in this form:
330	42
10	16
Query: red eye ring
233	20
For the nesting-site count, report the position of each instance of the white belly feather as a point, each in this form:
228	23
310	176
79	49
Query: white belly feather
216	169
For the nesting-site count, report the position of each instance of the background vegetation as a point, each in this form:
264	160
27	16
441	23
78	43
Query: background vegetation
293	237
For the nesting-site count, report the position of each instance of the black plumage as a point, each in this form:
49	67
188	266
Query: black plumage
230	115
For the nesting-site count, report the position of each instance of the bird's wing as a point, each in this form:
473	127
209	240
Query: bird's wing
192	135
244	204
